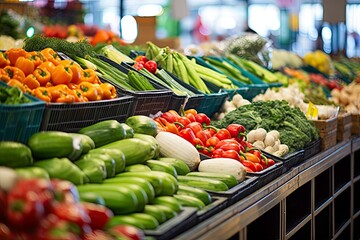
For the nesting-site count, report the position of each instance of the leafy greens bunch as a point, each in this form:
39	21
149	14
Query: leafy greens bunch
295	129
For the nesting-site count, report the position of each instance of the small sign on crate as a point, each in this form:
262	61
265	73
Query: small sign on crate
327	131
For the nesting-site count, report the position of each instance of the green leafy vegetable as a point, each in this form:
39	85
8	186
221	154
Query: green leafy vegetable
295	129
12	95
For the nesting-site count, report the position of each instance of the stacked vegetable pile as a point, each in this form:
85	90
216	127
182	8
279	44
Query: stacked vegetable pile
131	168
37	208
296	131
46	76
225	142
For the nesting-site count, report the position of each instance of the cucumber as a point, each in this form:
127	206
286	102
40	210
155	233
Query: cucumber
92	198
15	154
156	165
199	193
189	201
116	154
228	179
147	220
121	200
128	130
168	211
142	124
124	219
109	162
145	184
156	212
203	183
169	201
180	166
150	139
50	144
137	168
32	172
104	132
135	150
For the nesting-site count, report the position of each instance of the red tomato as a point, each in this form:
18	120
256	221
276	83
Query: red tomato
141	59
151	66
138	65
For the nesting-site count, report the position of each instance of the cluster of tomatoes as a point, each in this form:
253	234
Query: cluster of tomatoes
142	62
229	142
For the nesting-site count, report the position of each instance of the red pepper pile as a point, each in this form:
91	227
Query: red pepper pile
226	142
48	210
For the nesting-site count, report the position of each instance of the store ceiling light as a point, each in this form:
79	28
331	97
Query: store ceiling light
150	10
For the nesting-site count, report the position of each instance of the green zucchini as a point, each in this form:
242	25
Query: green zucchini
15	154
86	142
150	139
32	172
121	200
154	211
129	132
156	165
179	165
116	154
148	221
199	193
50	144
91	197
155	180
104	132
124	219
135	150
145	184
142	124
167	210
137	168
169	201
189	201
203	183
109	162
94	169
228	179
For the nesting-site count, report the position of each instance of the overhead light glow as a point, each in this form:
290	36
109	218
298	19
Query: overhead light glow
30	32
150	10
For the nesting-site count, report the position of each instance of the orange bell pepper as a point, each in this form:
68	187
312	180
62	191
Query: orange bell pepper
79	96
51	56
66	99
14	53
99	91
75	68
43	93
88	75
4	60
48	66
168	126
72	85
17	83
14	73
31	81
109	91
25	64
61	75
251	157
58	91
42	75
36	57
4	76
88	90
191	111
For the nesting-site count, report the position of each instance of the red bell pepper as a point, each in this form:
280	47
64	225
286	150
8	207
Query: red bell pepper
249	164
236	131
99	235
184	121
191	117
223	133
65	191
187	134
74	213
217	153
202	136
231	154
3	205
231	146
99	214
169	117
211	142
124	231
226	141
53	227
5	233
202	118
195	127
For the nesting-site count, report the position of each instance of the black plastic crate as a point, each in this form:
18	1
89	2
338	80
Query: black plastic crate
218	204
289	160
72	117
267	175
312	149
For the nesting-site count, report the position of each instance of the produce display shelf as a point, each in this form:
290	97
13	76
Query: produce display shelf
18	122
217	205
